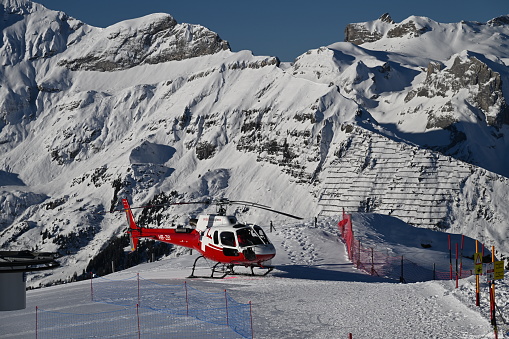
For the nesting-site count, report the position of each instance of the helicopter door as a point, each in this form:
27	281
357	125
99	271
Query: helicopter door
206	239
228	242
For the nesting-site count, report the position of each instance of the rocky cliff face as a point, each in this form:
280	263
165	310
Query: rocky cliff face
152	40
359	34
467	73
413	27
42	37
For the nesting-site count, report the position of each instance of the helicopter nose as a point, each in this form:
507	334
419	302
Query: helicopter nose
266	249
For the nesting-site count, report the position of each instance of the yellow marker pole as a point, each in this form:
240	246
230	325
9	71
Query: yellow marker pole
477	289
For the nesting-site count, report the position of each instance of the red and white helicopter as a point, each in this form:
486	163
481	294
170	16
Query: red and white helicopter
217	237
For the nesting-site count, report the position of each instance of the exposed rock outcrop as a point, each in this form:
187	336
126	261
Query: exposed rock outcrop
483	84
361	33
499	21
157	40
407	28
357	34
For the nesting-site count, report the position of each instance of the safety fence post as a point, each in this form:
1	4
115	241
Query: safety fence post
352	239
226	299
401	278
450	255
36	320
138	316
91	287
187	299
251	316
457	273
350	336
359	253
372	262
351	254
434	272
138	276
461	254
477	284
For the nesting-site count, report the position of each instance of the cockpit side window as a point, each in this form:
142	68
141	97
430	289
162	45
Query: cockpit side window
216	237
228	239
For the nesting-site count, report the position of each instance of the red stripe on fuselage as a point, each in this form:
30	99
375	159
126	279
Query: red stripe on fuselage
169	235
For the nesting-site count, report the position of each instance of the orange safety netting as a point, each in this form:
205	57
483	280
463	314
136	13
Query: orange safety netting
381	264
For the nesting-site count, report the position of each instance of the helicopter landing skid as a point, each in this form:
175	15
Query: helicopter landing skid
269	269
252	267
214	269
227	269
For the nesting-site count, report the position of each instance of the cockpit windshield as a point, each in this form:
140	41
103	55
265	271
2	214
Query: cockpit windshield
261	234
248	237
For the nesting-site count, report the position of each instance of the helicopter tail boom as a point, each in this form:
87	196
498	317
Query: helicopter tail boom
134	231
187	237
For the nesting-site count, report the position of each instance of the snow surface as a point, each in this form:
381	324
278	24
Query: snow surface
314	292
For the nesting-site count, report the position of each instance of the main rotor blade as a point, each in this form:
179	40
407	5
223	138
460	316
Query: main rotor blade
213	202
205	202
249	203
274	211
263	207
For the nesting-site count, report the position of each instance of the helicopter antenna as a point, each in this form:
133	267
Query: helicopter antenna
221	209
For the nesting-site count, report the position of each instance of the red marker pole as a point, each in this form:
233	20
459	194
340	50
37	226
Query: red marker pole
138	276
138	316
226	300
251	316
461	254
457	265
450	255
477	289
187	299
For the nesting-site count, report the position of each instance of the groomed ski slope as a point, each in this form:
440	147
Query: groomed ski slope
314	293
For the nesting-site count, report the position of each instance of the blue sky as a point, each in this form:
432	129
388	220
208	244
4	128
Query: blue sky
283	28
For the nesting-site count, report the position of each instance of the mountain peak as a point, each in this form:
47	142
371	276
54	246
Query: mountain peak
150	39
20	7
386	18
499	21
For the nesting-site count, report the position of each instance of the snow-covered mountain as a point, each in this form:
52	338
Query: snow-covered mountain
152	109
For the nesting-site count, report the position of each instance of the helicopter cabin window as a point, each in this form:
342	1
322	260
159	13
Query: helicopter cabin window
216	238
228	239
